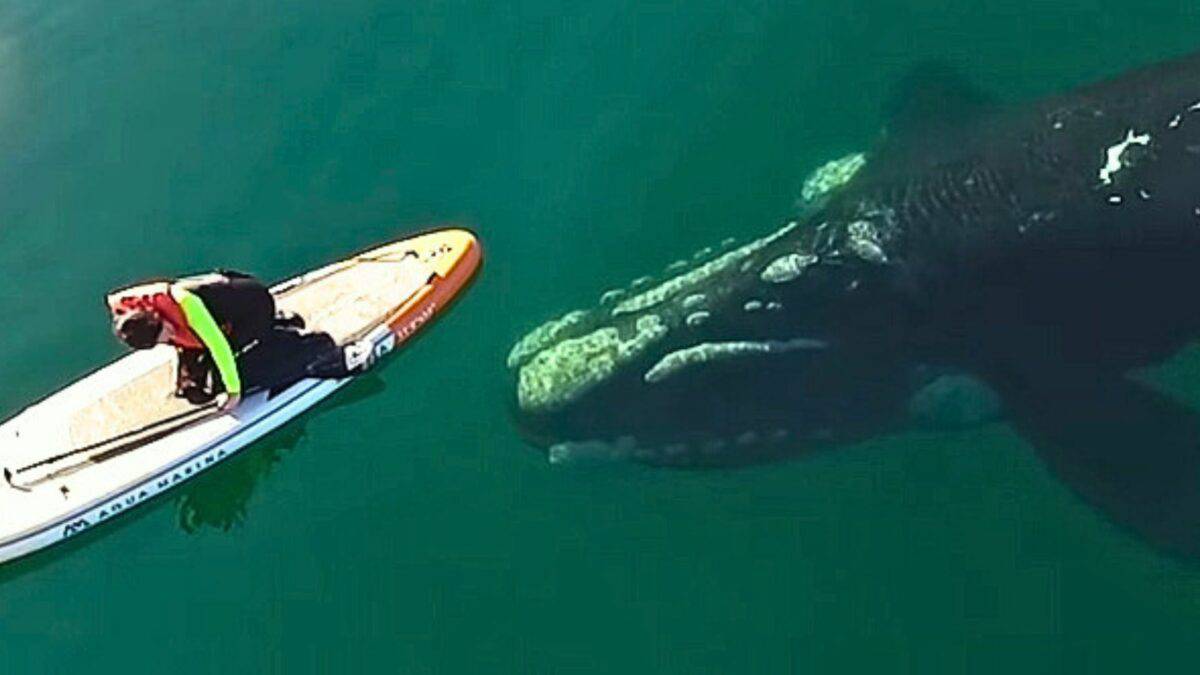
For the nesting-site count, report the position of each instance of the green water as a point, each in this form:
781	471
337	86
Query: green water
404	527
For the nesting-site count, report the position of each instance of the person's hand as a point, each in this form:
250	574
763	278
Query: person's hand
227	402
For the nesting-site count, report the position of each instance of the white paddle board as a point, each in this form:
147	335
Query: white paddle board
118	437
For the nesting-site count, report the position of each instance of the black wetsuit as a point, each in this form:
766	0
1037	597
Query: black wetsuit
272	350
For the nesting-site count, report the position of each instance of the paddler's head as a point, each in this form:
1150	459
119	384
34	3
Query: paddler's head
139	329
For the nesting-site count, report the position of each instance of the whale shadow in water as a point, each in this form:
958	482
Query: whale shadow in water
1130	451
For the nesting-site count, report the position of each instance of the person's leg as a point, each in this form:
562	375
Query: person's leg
285	356
329	360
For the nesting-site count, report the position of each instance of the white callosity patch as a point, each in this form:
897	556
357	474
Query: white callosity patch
561	373
774	306
596	451
592	451
787	268
747	438
864	241
697	276
599	451
753	306
675	449
609	297
1112	156
543	336
696	319
693	301
832	176
720	351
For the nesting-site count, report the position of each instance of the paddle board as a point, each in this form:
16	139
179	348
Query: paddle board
118	437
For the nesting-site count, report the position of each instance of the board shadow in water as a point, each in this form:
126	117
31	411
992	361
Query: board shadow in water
218	498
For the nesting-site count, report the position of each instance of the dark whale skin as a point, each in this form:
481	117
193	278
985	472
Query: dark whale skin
1047	248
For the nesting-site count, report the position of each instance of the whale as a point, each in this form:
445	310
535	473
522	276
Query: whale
984	261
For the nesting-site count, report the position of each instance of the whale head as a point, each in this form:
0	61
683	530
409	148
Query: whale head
739	354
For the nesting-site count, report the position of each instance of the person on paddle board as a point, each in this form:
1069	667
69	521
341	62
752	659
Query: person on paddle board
228	336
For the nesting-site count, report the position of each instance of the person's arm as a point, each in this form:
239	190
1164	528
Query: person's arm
205	327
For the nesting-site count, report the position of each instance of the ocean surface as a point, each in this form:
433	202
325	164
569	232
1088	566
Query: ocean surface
404	527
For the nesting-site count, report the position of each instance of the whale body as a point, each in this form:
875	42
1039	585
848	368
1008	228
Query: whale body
1007	259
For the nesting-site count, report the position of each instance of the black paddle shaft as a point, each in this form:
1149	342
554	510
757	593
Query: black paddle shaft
178	421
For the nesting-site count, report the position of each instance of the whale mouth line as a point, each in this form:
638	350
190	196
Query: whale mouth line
699	449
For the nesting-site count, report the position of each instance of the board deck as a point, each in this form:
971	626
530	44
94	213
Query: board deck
386	294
